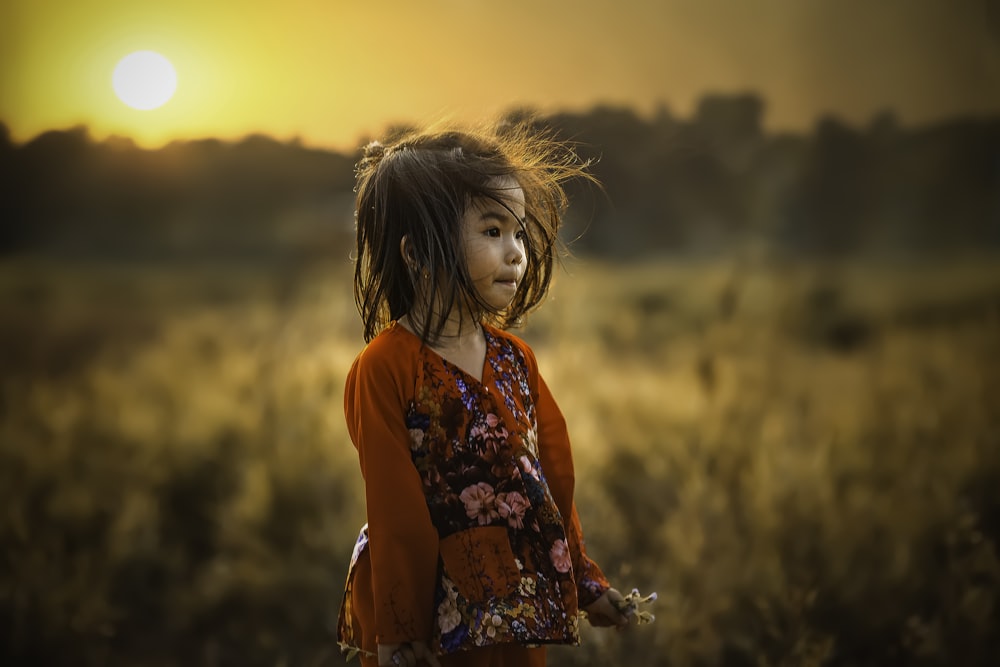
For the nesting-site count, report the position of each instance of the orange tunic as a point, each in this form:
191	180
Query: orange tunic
472	536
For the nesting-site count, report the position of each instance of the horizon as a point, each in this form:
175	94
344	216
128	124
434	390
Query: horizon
298	140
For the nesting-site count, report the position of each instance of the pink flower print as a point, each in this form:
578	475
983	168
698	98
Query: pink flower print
527	467
480	503
512	507
559	553
492	433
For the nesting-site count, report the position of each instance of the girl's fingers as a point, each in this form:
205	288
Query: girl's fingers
406	655
606	610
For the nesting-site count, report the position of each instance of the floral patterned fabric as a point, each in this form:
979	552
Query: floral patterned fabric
499	538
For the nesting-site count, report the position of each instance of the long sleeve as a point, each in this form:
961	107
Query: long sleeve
403	542
556	457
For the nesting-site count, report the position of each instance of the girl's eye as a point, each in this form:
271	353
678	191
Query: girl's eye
493	231
521	235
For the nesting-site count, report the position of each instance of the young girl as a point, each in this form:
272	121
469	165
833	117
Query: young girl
473	553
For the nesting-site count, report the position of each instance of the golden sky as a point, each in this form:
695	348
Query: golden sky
334	71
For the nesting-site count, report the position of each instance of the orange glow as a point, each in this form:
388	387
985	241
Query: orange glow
331	71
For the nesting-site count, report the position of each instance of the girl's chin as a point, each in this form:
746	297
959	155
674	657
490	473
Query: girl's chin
498	307
501	302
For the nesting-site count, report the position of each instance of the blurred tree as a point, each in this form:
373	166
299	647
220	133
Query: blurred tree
709	185
824	210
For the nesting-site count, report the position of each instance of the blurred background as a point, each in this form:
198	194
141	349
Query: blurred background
776	335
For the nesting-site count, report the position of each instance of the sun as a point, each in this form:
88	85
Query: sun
144	80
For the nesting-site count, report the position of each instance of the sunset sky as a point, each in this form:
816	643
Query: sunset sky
334	71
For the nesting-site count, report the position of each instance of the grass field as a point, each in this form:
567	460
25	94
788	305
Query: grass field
801	459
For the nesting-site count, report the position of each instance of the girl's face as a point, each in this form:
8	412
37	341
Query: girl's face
493	240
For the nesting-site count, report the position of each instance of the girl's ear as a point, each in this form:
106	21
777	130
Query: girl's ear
406	251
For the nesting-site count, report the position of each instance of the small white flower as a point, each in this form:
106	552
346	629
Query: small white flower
450	588
448	615
416	438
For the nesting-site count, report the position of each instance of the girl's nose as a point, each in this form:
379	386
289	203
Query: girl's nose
516	253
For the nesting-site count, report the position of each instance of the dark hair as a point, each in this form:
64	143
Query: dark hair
419	186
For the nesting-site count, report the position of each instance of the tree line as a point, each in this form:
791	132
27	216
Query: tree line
705	184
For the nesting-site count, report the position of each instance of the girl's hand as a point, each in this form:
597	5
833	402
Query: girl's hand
603	612
406	655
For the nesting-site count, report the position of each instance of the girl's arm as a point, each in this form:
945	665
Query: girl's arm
594	594
403	543
557	464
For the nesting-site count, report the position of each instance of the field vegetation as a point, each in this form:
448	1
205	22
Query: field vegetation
802	459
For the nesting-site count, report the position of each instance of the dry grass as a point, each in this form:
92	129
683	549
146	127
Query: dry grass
800	459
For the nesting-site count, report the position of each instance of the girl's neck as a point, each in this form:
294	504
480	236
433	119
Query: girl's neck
459	331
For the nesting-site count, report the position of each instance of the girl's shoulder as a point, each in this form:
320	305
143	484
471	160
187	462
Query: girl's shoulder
394	346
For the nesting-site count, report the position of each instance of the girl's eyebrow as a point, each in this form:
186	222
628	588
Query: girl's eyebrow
493	213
